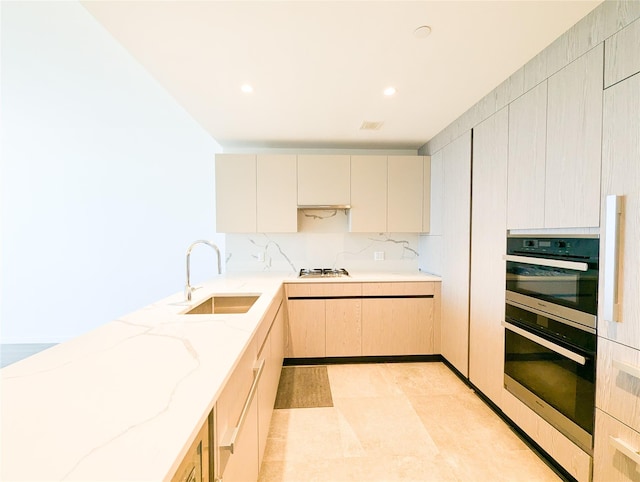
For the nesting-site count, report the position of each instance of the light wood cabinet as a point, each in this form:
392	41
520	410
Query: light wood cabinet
573	459
455	258
616	455
343	336
527	154
488	245
195	464
245	405
306	329
621	59
405	194
621	176
242	465
324	180
368	212
617	431
276	194
574	133
403	322
272	352
363	319
235	193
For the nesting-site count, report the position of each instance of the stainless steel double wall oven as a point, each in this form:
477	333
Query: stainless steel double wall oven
550	330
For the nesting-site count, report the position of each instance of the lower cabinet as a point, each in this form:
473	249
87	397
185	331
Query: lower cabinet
571	457
244	408
362	319
195	464
399	319
617	451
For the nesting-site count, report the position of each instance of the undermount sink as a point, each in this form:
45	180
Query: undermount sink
224	304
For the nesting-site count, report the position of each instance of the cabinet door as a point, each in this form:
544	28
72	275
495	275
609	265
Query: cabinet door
405	190
527	152
235	193
276	194
616	456
426	195
324	180
621	176
574	133
343	327
455	259
437	194
488	245
368	194
306	333
621	59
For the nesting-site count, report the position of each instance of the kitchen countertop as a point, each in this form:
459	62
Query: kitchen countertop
122	401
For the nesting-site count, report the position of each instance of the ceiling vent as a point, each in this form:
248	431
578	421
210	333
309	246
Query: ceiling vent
371	126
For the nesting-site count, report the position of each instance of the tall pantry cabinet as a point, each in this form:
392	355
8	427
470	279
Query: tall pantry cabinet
456	206
488	245
617	431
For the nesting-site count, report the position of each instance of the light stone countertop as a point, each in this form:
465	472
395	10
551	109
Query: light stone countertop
123	401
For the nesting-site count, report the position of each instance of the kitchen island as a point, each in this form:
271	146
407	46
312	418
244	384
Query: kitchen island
125	401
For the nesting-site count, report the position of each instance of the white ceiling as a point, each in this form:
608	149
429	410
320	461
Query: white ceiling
318	68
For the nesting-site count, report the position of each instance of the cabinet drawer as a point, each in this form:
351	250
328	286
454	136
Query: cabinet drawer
398	289
617	451
573	459
323	290
618	384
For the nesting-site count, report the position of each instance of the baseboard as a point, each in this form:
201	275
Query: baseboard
343	360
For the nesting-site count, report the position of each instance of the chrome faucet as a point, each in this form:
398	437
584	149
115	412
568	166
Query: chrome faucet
188	289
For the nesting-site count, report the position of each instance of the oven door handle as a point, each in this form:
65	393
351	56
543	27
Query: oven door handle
552	263
546	343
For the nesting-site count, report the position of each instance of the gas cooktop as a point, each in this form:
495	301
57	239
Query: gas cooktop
322	273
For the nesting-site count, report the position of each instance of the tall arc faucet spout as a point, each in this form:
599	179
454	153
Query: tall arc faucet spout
188	289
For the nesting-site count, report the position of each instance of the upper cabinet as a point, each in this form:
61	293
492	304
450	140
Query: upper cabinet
256	193
324	180
388	194
621	59
368	194
235	193
276	194
574	133
426	194
405	194
526	168
554	171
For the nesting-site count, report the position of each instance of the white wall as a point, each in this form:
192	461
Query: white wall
105	179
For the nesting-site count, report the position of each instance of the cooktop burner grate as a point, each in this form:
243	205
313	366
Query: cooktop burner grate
322	272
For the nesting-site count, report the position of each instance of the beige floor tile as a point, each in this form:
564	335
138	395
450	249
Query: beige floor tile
356	381
425	379
304	434
463	422
386	426
397	422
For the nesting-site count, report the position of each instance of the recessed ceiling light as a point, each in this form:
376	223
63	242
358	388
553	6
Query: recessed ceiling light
246	88
371	125
389	91
422	31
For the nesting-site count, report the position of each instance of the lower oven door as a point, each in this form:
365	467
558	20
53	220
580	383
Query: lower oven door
555	381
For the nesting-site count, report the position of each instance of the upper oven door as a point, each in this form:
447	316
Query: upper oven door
561	272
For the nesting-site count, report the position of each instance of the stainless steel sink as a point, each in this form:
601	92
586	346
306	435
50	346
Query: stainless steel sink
224	304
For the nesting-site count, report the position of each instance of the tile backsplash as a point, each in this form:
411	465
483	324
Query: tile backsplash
323	241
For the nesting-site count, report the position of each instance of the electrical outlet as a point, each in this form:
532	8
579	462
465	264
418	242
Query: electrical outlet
378	256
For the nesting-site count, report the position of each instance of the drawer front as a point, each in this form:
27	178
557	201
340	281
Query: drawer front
322	290
618	383
398	289
617	451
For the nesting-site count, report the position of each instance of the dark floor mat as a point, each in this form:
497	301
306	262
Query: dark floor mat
304	387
